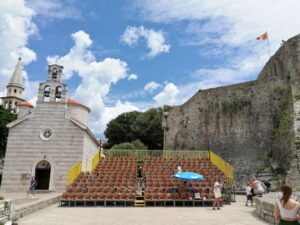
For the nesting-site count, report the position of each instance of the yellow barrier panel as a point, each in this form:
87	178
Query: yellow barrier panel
225	167
95	160
74	172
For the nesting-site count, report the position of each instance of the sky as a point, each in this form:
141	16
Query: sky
125	55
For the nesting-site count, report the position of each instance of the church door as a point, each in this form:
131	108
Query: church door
42	175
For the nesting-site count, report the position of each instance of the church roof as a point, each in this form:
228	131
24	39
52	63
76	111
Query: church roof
74	103
25	103
17	78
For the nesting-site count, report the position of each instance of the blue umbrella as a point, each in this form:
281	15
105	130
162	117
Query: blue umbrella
188	176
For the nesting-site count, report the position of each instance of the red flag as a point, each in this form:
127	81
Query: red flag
263	37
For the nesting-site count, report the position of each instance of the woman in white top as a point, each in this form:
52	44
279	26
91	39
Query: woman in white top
217	193
286	209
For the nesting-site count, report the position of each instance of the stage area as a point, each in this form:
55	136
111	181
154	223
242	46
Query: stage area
234	214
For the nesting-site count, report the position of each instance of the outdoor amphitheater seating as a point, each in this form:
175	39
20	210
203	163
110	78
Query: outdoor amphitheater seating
113	183
160	185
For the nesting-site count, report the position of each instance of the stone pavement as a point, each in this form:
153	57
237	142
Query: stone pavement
23	205
234	214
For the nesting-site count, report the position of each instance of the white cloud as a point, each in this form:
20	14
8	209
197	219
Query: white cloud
231	22
54	9
96	80
228	30
167	96
16	28
132	77
151	86
155	39
110	113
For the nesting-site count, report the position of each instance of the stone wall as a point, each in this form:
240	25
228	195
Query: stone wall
79	113
265	207
89	150
251	125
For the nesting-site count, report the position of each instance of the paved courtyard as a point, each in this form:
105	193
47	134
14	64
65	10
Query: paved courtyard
236	213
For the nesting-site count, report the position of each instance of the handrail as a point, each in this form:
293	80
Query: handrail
140	154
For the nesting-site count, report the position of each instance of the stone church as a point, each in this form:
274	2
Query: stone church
47	140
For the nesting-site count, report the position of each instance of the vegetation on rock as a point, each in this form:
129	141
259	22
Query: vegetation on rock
282	135
235	103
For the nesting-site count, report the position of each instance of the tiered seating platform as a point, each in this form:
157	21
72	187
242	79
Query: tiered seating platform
114	182
164	190
111	183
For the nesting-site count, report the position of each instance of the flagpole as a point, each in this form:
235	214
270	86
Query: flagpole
269	47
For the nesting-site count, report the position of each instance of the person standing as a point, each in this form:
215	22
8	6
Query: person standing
286	210
217	194
32	187
179	170
140	176
249	194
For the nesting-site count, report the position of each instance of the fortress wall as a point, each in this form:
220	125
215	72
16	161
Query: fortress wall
250	125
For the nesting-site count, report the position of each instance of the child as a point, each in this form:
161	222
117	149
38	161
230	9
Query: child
249	194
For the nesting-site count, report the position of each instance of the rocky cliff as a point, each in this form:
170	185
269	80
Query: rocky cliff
254	125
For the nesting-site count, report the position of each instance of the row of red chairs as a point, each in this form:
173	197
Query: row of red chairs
97	196
101	189
176	196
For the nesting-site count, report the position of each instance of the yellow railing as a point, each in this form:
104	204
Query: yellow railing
225	167
95	160
140	154
74	172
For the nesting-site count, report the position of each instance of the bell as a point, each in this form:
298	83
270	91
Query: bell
46	93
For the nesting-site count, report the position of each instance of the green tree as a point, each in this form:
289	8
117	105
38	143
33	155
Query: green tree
143	126
119	129
137	144
147	128
124	145
5	117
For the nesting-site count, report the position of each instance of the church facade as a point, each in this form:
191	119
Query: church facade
48	140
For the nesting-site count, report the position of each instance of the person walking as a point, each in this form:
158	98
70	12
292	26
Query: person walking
32	187
217	194
286	210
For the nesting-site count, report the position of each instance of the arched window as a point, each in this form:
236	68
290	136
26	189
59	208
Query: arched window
47	91
15	90
58	91
9	105
16	109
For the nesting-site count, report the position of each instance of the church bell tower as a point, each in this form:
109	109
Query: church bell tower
14	89
53	91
